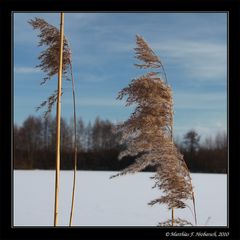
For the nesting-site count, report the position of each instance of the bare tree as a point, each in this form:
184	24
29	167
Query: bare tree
221	140
148	133
208	143
30	137
80	134
97	135
66	136
103	136
191	141
88	133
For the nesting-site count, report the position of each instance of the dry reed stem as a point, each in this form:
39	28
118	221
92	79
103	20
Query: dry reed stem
178	222
58	118
75	148
49	57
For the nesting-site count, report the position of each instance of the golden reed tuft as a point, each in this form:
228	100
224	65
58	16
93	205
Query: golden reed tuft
148	133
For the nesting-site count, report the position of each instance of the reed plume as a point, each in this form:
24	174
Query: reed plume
148	133
49	57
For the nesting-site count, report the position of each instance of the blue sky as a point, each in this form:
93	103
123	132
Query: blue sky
192	47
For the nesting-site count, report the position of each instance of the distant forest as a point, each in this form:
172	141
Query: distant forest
99	147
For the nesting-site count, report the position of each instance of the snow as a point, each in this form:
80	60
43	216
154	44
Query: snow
121	201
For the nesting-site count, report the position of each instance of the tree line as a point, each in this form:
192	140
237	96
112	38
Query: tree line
98	147
209	156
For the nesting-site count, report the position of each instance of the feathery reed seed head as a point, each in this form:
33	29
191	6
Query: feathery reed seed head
49	37
147	134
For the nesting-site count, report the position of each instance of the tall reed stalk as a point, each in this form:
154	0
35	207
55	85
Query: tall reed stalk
49	37
58	119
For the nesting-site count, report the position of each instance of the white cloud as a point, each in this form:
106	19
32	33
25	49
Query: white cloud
186	100
202	60
81	18
92	78
25	70
95	102
199	60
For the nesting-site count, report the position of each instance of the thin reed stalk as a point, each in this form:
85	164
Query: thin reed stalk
171	130
75	147
193	197
172	216
58	118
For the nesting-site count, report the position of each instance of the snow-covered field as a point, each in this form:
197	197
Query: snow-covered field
120	201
